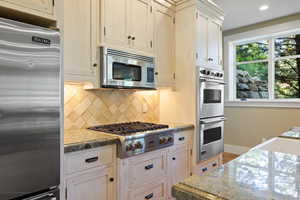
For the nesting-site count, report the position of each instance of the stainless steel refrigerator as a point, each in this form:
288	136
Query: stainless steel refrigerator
29	111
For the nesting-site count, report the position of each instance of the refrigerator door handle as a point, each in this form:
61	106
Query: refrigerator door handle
48	196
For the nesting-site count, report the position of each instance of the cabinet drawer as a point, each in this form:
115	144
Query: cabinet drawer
83	160
208	165
147	168
182	137
152	191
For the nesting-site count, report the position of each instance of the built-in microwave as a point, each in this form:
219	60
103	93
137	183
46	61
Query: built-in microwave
121	69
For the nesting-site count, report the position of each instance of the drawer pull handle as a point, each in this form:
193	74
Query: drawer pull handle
204	169
149	167
214	164
181	138
149	196
91	160
173	158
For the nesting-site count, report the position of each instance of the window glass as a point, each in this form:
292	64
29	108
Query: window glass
287	78
287	45
252	51
252	81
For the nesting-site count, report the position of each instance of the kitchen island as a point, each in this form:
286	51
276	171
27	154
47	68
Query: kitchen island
261	173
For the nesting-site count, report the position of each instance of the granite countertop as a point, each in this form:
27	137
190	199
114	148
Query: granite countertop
82	139
256	175
293	133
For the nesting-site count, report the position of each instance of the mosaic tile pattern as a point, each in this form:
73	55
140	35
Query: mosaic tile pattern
88	108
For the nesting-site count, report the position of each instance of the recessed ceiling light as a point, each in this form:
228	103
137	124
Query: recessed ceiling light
263	7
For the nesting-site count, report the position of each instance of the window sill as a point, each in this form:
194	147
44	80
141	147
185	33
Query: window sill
264	104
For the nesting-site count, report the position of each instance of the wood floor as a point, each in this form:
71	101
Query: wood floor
228	157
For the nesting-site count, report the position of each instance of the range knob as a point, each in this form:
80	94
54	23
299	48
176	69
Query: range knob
129	147
138	145
170	139
207	72
203	71
162	140
217	74
221	75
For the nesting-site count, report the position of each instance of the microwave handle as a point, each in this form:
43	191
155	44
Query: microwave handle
212	122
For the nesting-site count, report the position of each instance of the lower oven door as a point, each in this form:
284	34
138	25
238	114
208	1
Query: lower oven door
211	97
211	138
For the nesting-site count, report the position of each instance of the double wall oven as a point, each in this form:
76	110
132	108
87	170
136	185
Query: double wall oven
210	113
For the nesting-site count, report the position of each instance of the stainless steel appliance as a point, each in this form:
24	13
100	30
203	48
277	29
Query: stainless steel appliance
29	112
211	93
125	70
211	137
210	140
138	137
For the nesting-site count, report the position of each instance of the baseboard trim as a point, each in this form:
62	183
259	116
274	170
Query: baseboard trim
235	149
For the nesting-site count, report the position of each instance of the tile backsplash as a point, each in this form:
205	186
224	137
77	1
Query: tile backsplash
87	108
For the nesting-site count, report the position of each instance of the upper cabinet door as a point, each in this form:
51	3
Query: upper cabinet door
214	43
141	25
77	39
114	15
32	6
202	39
164	45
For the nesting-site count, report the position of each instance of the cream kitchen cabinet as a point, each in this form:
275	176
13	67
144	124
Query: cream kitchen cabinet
80	52
91	174
92	185
164	45
127	25
41	8
179	160
209	41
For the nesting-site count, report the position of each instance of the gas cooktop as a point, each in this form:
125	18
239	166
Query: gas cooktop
128	128
138	137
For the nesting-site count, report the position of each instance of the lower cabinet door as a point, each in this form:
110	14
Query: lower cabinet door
150	191
179	165
92	185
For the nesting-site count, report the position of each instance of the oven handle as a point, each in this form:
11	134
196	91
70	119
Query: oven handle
212	81
212	122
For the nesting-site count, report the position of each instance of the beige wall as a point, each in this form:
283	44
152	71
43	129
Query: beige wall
88	108
247	126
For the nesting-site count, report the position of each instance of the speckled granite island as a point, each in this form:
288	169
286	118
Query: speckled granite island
260	174
293	133
256	175
82	139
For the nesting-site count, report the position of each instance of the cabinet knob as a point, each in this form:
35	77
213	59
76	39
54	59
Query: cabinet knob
210	59
111	179
156	73
173	158
95	65
133	38
129	37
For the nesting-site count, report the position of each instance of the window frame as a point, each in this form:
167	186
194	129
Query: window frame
232	99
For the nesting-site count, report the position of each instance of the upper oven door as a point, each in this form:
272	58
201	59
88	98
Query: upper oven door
211	97
126	72
211	142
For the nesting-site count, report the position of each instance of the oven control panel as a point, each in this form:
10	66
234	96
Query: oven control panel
211	73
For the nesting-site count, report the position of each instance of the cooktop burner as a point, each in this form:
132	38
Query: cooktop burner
128	128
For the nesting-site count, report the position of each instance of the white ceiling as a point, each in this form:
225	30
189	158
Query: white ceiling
246	12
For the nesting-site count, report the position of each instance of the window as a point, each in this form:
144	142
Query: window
267	69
